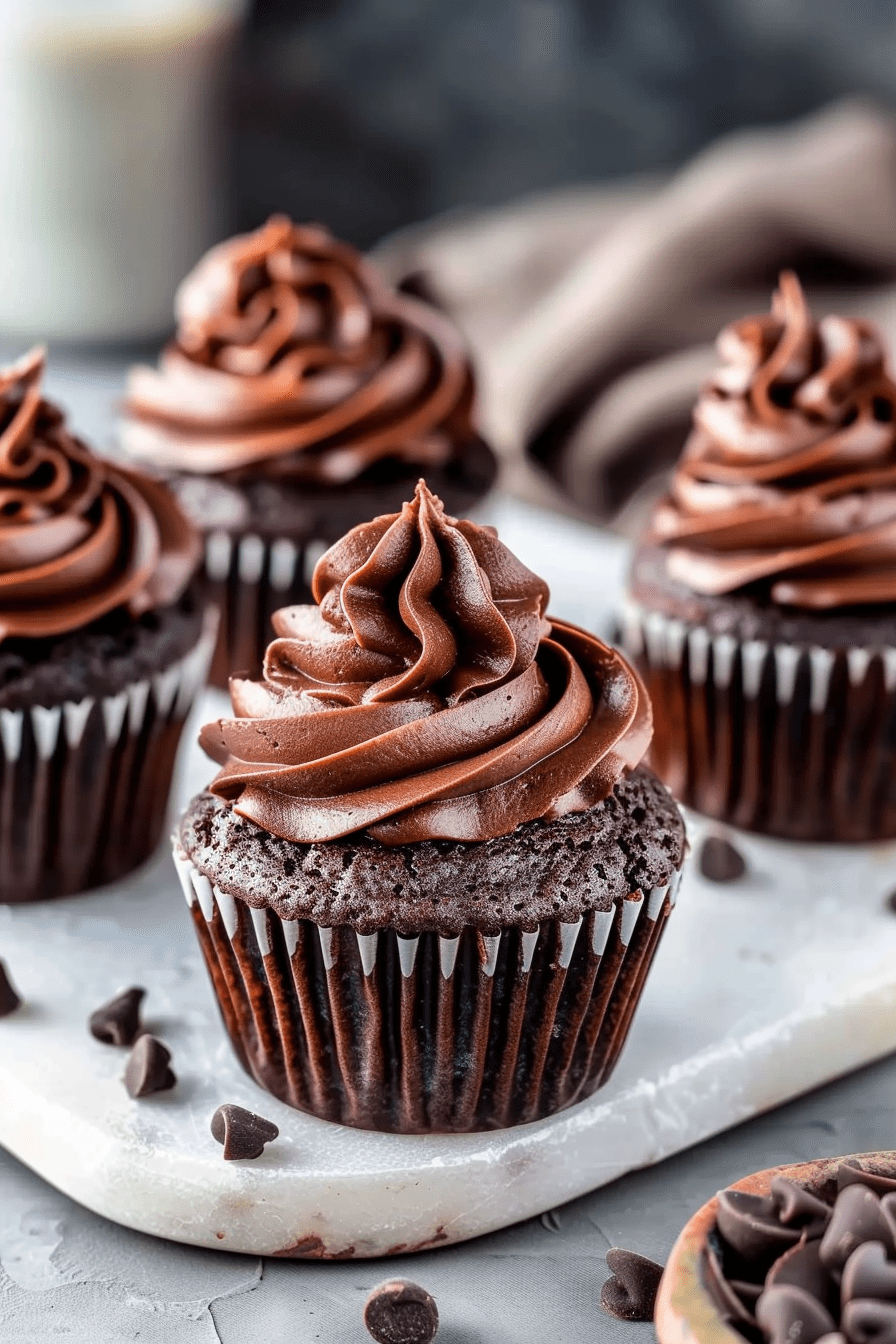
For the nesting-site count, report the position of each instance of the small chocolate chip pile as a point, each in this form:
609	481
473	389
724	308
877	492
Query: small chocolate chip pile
401	1312
118	1021
630	1294
243	1133
815	1266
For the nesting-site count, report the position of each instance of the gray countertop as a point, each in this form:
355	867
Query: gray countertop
66	1273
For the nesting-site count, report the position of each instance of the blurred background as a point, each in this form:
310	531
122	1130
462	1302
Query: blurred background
591	188
370	114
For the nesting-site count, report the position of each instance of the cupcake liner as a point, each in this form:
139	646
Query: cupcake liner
248	578
84	785
429	1033
797	741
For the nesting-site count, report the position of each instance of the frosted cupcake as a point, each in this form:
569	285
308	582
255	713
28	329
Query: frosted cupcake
300	396
763	601
101	651
432	874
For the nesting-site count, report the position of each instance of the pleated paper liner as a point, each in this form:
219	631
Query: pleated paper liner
248	578
84	785
788	740
427	1034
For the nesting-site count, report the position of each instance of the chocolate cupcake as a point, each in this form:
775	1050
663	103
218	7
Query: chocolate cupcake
299	397
431	875
762	608
101	651
798	1253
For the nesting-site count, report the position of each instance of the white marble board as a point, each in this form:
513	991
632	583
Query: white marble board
761	990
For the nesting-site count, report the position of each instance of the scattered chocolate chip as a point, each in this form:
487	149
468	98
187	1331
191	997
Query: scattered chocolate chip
9	999
867	1322
787	1313
857	1217
118	1021
720	861
400	1312
242	1133
868	1273
147	1068
891	902
630	1295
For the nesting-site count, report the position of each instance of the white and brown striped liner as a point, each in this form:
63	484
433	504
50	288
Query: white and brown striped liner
795	740
84	785
248	578
427	1033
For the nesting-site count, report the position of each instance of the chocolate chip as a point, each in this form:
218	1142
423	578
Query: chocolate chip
400	1312
890	902
852	1173
749	1223
867	1322
630	1295
118	1021
798	1207
242	1133
9	999
729	1296
147	1068
787	1313
856	1218
720	861
802	1267
868	1273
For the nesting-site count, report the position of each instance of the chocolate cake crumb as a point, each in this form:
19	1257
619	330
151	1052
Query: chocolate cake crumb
147	1069
9	999
242	1133
583	861
630	1294
118	1021
401	1312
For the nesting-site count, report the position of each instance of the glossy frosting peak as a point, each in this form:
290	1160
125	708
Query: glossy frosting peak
291	355
79	536
787	483
427	696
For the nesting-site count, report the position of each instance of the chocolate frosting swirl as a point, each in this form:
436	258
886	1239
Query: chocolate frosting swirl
426	697
79	536
788	481
292	355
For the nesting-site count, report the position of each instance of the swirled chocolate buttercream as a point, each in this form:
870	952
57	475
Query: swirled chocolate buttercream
292	357
787	485
426	696
79	536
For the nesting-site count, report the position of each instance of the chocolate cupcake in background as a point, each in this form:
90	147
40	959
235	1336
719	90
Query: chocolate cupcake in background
102	648
300	396
431	875
798	1253
762	610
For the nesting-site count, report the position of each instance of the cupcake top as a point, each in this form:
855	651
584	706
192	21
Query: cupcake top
426	697
292	358
79	536
787	485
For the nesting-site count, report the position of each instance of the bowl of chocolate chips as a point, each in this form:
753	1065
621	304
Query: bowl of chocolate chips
794	1255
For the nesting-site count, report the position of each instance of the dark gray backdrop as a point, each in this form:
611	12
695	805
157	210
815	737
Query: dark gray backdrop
368	114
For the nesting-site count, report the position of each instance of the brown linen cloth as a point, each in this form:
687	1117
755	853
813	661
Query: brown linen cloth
592	312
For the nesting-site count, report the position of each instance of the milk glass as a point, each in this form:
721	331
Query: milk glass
110	160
